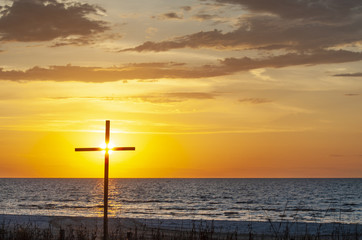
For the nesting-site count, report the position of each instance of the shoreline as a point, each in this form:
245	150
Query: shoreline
217	226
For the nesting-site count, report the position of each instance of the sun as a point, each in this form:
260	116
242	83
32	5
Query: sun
107	147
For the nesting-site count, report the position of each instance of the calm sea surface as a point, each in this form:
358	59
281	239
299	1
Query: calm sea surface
309	200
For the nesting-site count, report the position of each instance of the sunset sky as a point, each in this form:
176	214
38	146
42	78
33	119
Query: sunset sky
201	88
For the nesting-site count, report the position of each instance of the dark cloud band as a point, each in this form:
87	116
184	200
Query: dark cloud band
152	71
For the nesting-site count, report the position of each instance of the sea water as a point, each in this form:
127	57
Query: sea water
302	200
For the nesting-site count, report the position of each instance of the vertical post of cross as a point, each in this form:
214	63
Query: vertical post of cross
106	169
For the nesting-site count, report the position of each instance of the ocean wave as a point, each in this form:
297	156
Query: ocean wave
219	199
146	201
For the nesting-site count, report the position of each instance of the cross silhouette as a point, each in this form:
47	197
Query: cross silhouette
106	168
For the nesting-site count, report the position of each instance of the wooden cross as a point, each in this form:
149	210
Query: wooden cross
106	167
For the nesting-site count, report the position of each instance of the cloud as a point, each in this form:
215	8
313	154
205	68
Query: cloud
292	59
186	8
265	32
141	71
291	25
352	94
174	97
170	15
204	17
154	98
193	95
255	100
151	71
326	10
358	74
36	21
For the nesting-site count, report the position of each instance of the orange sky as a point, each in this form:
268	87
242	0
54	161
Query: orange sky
216	88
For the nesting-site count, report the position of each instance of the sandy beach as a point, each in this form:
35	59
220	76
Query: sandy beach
168	229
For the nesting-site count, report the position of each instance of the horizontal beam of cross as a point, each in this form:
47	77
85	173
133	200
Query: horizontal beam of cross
104	149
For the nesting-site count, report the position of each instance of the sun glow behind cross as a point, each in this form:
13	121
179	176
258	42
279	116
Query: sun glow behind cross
107	147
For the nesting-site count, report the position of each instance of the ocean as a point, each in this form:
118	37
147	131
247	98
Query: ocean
302	200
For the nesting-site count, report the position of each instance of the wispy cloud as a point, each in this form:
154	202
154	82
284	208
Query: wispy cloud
36	21
352	94
171	97
150	71
141	71
255	100
292	59
204	16
169	15
358	74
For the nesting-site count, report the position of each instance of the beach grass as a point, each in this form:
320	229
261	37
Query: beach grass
198	231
